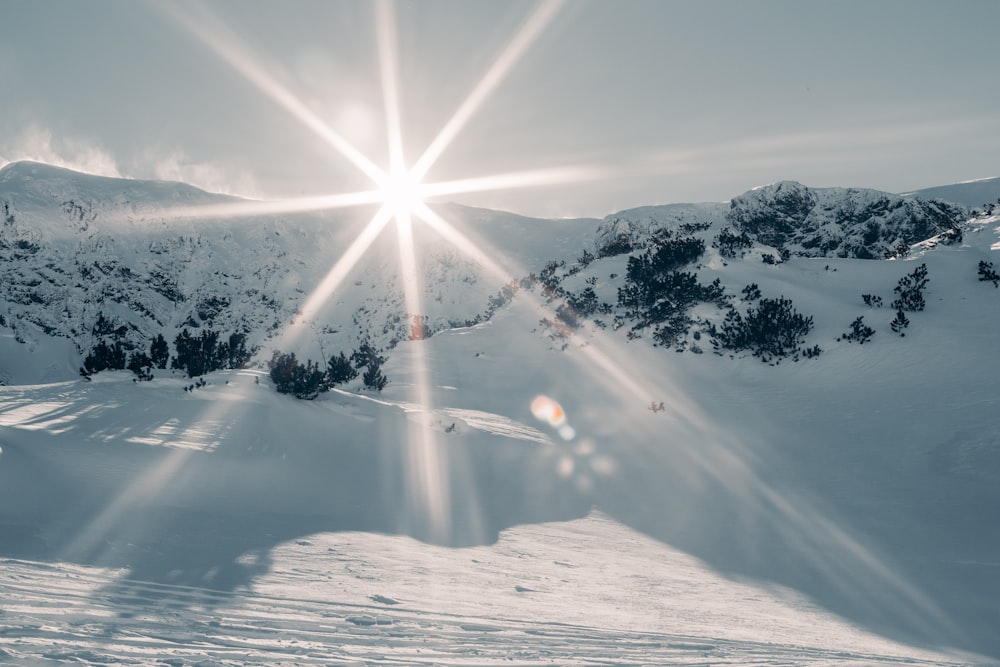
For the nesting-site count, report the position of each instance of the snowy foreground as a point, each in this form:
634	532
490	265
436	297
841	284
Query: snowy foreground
584	592
178	535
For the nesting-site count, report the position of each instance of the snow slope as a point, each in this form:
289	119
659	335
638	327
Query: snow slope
973	194
175	535
836	510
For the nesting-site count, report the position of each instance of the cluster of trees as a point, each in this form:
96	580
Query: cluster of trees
196	355
909	298
732	245
988	209
859	333
872	300
988	274
911	290
308	380
104	356
205	353
771	330
658	294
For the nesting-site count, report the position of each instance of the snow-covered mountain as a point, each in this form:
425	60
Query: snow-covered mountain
813	492
805	222
85	256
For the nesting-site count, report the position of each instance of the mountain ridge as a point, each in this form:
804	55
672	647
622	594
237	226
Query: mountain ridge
113	256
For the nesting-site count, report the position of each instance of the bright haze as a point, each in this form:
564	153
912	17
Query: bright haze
671	101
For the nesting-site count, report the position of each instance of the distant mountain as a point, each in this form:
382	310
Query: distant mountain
87	259
972	194
82	257
805	222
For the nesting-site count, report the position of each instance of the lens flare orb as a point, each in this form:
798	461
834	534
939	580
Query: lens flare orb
549	411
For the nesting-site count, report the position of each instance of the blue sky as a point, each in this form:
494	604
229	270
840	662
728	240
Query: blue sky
670	101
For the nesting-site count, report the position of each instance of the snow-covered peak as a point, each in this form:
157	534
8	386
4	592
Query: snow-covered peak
39	183
626	229
839	222
795	220
788	199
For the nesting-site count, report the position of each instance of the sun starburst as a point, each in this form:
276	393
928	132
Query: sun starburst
401	192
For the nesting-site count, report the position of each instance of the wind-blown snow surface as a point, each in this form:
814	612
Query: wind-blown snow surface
148	525
838	510
974	194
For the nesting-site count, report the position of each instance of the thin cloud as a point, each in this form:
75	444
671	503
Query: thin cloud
40	145
177	166
854	145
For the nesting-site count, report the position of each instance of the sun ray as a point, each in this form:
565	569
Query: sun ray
248	208
408	266
385	22
428	477
613	368
512	180
214	35
707	451
140	491
339	271
515	49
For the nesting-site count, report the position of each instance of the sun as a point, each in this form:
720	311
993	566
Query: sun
401	193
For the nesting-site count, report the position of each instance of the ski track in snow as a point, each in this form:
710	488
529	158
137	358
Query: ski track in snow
479	420
586	592
59	613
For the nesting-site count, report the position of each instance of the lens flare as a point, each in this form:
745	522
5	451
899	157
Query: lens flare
548	410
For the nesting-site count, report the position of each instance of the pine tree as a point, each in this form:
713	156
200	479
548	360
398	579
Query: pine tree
159	351
104	357
309	381
116	358
205	353
340	370
859	332
304	381
209	355
239	355
185	347
911	290
365	355
282	368
373	377
899	323
141	364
